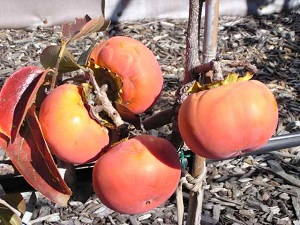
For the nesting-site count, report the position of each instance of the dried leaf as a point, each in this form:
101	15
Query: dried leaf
231	78
112	80
69	30
82	27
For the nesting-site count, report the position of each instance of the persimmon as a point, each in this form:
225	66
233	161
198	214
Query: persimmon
228	120
137	68
137	175
70	132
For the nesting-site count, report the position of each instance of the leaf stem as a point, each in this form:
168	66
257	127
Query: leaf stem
55	74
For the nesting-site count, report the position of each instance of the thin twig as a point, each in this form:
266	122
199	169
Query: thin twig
104	101
159	119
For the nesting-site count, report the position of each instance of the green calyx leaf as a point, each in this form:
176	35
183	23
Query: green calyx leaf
230	78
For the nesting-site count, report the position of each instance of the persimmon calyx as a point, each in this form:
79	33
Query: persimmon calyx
113	80
195	86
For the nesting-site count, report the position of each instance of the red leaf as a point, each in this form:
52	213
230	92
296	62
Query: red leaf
16	96
31	156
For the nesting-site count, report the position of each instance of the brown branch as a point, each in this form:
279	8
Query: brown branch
159	119
192	60
192	40
232	63
213	66
105	103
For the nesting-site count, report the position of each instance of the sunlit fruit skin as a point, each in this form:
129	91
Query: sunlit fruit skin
136	65
70	132
228	120
137	175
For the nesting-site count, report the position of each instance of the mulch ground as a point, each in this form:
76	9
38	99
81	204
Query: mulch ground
257	189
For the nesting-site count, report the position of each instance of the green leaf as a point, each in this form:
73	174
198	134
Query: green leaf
50	55
84	57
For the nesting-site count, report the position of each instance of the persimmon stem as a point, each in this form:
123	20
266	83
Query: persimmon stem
104	101
213	66
55	73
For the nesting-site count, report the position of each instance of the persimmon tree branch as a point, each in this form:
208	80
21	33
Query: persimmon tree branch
192	39
105	103
159	119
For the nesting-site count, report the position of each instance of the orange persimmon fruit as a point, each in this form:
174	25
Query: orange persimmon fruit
137	175
70	132
137	68
228	120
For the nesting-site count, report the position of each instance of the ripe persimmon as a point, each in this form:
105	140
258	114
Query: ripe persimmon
137	68
137	175
70	132
228	120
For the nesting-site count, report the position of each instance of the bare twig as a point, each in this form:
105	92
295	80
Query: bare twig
159	119
231	63
104	101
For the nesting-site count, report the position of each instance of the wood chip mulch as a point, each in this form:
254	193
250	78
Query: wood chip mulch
261	189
